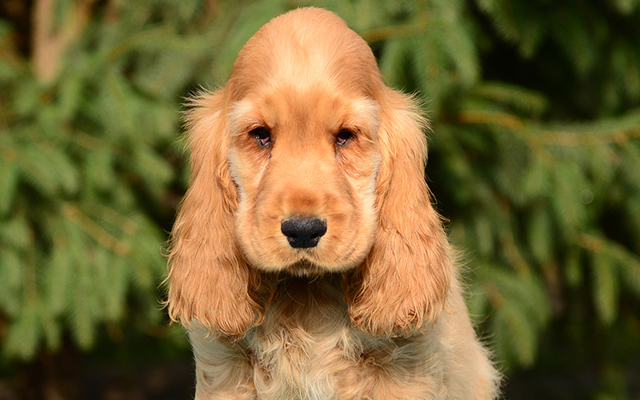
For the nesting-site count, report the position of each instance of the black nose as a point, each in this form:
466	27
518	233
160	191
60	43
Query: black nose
303	232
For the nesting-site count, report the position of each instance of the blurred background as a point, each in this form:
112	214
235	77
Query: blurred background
534	161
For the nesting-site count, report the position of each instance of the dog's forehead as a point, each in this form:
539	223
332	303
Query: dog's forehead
305	47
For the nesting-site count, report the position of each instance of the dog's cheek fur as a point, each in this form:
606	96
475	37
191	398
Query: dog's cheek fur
248	173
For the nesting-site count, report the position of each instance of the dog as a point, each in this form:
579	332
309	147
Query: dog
306	260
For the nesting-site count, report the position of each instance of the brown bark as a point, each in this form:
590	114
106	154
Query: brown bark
49	42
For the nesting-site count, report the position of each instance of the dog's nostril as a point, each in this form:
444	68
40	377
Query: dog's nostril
303	232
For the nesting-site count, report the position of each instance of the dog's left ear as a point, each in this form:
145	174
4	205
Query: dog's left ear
404	281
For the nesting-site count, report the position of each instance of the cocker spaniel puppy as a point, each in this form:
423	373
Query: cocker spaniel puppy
307	261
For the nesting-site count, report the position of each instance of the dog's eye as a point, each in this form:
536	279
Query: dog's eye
262	134
344	136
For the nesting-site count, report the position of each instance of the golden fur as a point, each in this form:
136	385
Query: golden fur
374	311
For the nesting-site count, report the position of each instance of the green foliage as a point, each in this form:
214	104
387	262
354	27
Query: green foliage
534	158
80	158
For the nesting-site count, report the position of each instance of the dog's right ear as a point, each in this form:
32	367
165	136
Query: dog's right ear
209	278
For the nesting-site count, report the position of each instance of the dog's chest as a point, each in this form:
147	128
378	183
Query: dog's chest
306	337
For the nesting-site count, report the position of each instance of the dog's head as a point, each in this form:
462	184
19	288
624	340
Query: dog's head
306	163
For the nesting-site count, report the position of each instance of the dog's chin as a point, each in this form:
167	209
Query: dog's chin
310	269
305	268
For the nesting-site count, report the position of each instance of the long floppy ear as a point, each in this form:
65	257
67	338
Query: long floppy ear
404	282
210	280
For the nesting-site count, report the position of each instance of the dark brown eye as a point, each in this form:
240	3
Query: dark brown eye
343	137
262	134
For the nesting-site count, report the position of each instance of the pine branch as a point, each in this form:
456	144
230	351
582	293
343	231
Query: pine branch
95	231
581	139
391	32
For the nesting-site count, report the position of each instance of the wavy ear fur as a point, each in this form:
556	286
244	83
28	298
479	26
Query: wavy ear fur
404	281
210	281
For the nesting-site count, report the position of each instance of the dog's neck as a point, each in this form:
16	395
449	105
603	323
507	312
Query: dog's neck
307	300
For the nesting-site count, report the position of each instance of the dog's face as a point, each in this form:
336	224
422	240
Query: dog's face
305	163
303	125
